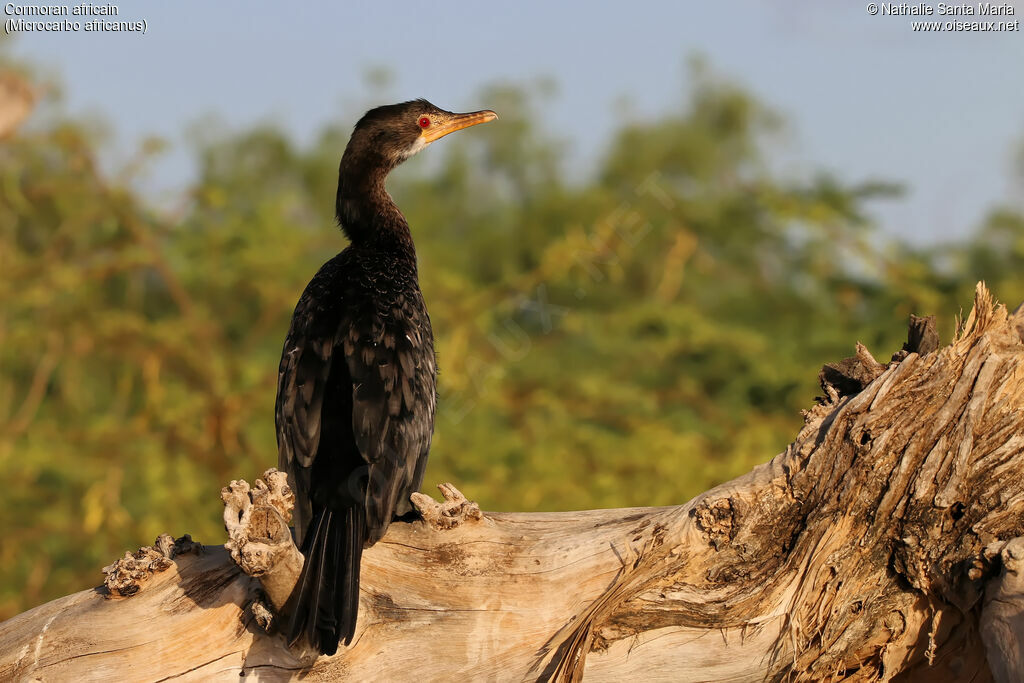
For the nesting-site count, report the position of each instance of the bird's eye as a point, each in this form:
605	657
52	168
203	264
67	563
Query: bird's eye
424	122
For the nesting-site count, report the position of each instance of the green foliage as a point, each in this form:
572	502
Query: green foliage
631	339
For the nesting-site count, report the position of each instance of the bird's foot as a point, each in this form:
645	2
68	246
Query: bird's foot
448	514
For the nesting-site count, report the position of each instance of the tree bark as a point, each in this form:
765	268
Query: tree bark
882	544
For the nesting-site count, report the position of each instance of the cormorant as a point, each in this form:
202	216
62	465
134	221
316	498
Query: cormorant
356	386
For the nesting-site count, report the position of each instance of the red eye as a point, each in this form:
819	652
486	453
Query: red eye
424	122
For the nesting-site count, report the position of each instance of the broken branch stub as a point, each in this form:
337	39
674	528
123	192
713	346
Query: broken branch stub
260	540
128	575
452	512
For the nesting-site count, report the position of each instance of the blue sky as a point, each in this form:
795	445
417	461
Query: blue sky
865	95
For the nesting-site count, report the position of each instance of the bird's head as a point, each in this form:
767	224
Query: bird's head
391	134
383	138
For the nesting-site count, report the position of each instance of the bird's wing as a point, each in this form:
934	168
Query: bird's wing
391	364
301	385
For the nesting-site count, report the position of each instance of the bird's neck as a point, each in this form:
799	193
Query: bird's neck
368	215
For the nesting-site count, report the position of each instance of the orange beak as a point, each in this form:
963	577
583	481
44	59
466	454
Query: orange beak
457	122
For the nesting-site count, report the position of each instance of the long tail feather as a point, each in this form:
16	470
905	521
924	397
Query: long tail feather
348	603
327	601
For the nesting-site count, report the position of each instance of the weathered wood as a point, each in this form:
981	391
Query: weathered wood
1002	618
875	546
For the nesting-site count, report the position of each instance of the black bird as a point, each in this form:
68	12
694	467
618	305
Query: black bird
356	386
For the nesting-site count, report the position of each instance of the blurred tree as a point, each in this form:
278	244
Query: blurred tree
631	338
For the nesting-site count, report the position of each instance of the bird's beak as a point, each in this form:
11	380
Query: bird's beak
458	122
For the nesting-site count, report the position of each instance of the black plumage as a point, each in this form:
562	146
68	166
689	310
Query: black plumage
356	388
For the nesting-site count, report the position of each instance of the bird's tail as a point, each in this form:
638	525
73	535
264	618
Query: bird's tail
327	596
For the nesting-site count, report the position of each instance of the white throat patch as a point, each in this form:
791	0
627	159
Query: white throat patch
417	146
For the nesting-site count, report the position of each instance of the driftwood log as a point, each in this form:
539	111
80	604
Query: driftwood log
883	543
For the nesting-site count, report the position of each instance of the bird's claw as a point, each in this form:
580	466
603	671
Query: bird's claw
449	514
